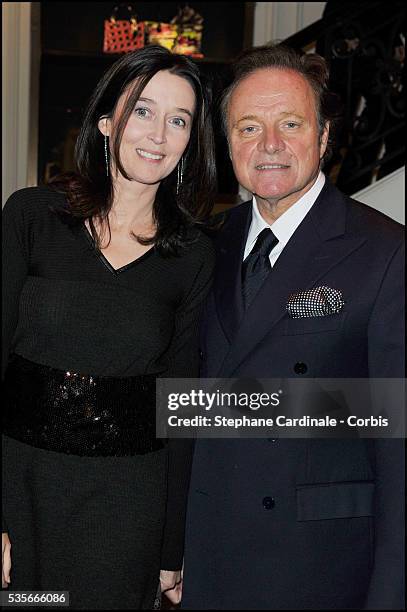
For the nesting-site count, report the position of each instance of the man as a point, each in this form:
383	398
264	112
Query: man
296	523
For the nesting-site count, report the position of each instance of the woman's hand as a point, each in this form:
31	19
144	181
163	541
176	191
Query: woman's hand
171	585
6	559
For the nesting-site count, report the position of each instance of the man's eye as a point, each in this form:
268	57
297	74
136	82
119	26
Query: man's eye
142	112
250	129
292	124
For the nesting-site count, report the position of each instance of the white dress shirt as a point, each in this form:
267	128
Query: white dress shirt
284	227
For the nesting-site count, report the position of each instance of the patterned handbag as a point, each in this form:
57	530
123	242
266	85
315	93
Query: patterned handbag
163	34
189	25
121	35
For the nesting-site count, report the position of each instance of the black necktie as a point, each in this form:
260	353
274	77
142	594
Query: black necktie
256	266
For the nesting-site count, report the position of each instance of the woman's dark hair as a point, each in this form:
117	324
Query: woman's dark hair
89	192
311	66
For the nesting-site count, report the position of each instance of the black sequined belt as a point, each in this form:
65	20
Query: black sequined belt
79	414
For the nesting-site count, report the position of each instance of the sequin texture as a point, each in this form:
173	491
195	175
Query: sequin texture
79	414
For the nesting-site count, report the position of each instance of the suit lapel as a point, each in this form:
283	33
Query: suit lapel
318	244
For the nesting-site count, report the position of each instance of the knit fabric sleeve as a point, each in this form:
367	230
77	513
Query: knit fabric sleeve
17	218
15	256
184	363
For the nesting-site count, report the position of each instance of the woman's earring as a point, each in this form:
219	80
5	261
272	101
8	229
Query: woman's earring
180	173
106	156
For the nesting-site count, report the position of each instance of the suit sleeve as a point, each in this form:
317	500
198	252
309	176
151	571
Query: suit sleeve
386	360
183	363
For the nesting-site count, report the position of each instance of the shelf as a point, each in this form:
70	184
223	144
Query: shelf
99	55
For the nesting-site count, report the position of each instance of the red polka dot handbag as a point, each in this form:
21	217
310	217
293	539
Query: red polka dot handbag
121	35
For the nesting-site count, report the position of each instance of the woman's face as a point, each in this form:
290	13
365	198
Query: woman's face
158	128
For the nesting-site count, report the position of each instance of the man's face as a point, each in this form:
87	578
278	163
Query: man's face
274	137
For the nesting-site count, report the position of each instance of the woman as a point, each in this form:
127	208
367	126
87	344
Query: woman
105	274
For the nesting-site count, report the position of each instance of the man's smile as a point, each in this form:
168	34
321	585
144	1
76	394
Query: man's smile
272	167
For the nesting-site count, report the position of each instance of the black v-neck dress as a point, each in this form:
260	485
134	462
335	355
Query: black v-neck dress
100	527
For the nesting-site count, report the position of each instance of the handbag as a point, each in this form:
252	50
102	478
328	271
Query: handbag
189	25
163	34
122	35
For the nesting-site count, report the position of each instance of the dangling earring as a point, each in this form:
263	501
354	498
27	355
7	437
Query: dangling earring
106	157
180	173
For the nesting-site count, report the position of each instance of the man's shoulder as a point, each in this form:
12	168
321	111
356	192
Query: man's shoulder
365	218
362	218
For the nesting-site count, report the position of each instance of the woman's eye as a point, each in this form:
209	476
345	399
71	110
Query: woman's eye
142	112
178	121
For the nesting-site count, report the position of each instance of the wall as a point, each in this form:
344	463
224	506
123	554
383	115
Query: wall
278	20
387	195
20	75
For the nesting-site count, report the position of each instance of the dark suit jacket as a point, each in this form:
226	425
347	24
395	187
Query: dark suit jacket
243	551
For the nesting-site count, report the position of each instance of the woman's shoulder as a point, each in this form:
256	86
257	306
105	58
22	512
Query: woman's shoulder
33	202
200	244
194	259
201	235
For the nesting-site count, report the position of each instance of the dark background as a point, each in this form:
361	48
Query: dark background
78	26
72	62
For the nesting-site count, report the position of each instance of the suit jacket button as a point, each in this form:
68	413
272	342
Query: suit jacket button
201	355
300	368
268	503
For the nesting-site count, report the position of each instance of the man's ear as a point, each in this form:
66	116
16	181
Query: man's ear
324	140
104	126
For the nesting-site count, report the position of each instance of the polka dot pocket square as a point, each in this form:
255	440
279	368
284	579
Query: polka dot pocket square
316	302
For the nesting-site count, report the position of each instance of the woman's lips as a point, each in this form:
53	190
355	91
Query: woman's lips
151	156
